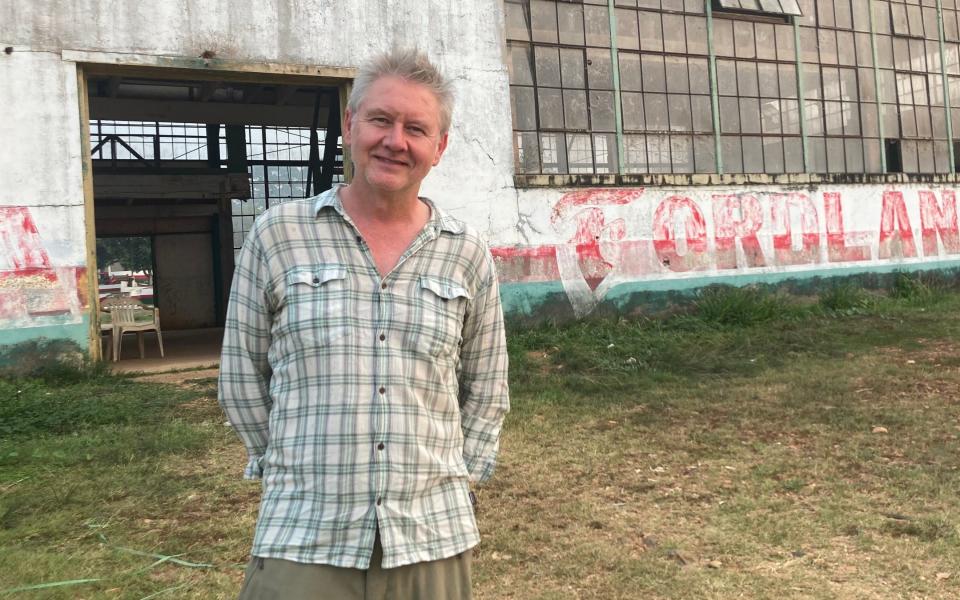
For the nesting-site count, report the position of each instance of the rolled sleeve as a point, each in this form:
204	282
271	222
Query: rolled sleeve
484	393
244	383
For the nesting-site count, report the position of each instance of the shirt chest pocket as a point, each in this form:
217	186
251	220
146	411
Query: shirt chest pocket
317	304
444	305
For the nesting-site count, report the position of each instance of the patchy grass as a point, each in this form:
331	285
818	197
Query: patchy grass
806	451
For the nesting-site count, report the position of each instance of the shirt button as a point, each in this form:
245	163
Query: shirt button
359	239
379	501
383	285
316	280
380	446
383	390
382	337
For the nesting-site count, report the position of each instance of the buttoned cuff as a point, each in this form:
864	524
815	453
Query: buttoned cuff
254	470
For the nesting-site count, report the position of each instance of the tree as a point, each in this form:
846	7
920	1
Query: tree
134	253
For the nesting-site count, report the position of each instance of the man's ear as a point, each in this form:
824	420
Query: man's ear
440	148
345	128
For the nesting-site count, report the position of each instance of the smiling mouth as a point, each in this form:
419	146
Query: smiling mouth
391	161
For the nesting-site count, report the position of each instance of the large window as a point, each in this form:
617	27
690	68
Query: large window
633	91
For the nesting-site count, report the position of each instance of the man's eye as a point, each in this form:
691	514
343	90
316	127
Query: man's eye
417	131
380	120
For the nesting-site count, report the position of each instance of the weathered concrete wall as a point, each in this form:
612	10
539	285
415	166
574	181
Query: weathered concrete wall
575	246
465	38
185	281
596	244
43	275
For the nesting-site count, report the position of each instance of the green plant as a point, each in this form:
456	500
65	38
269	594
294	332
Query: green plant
726	305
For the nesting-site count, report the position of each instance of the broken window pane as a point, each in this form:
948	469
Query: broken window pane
528	153
605	153
770	115
658	153
790	116
553	153
579	153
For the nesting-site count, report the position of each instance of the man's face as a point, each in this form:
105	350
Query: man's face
394	137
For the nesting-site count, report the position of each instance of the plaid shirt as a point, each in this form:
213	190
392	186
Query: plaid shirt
363	401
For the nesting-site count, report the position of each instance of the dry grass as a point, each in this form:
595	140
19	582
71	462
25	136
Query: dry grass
803	459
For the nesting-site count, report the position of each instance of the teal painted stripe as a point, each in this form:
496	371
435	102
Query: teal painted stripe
75	332
526	298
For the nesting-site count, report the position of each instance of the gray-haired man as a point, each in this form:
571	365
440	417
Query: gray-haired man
364	364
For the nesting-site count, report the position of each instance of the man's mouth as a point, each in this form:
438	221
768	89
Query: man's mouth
391	161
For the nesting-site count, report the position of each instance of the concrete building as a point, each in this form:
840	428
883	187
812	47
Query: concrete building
610	150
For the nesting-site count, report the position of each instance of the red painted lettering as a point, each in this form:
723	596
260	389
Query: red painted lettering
936	221
837	249
737	217
782	209
894	216
673	211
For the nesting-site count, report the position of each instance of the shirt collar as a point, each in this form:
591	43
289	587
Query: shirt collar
440	220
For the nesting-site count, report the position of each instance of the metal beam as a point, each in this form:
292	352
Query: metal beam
182	111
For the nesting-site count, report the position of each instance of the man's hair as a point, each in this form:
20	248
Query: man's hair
413	66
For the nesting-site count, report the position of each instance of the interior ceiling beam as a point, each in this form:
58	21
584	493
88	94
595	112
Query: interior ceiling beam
183	111
113	84
285	93
207	88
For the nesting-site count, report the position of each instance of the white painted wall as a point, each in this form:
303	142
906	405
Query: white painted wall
464	38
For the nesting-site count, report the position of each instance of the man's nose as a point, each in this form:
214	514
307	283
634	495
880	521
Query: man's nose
396	138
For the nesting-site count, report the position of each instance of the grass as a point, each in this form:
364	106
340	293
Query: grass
757	447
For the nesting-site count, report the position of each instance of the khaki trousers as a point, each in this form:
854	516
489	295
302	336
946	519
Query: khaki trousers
275	579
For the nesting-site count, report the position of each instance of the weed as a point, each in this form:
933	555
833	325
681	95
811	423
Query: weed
740	306
845	299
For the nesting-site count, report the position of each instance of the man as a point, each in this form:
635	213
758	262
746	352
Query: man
364	364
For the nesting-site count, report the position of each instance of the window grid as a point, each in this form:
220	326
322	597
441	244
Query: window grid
558	129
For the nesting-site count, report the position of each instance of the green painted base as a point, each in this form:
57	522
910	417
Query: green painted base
547	301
